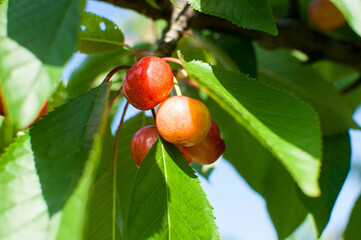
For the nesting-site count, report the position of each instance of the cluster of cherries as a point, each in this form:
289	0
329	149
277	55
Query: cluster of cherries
180	120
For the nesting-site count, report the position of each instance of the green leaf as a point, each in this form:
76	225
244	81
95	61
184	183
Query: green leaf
255	14
223	58
351	10
335	167
192	49
239	49
283	124
33	53
104	219
204	170
280	69
167	200
17	176
283	202
340	75
263	172
353	230
153	4
99	35
46	178
353	98
85	76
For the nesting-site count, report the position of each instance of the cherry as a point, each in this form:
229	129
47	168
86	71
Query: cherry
182	120
2	111
324	15
43	111
141	142
148	82
207	151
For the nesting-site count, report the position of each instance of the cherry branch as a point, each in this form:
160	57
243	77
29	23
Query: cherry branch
293	9
293	33
174	32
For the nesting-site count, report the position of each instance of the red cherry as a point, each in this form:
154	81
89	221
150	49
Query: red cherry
207	151
43	111
182	120
324	15
141	142
2	111
148	82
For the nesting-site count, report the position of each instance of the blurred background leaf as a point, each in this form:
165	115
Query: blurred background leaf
44	46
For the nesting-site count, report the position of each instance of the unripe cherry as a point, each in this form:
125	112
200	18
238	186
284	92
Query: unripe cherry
207	151
182	120
141	142
324	15
148	82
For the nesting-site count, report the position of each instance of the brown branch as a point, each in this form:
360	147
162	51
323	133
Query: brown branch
293	9
141	6
174	32
293	33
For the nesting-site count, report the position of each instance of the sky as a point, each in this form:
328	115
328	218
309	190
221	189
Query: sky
241	213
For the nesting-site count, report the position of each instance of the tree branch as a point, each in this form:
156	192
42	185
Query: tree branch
174	32
293	33
141	6
293	9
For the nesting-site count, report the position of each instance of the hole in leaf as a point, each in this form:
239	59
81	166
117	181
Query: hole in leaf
102	26
82	27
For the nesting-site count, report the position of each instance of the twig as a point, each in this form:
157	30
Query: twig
114	71
293	9
115	96
174	32
172	59
154	115
115	153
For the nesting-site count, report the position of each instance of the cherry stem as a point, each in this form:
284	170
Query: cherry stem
114	71
176	87
153	114
115	96
115	153
172	59
115	150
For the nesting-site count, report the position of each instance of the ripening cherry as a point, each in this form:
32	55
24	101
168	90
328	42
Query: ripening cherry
182	120
2	111
324	15
148	82
141	142
207	151
43	110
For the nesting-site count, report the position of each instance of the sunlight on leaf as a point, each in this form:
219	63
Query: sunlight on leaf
167	200
285	125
